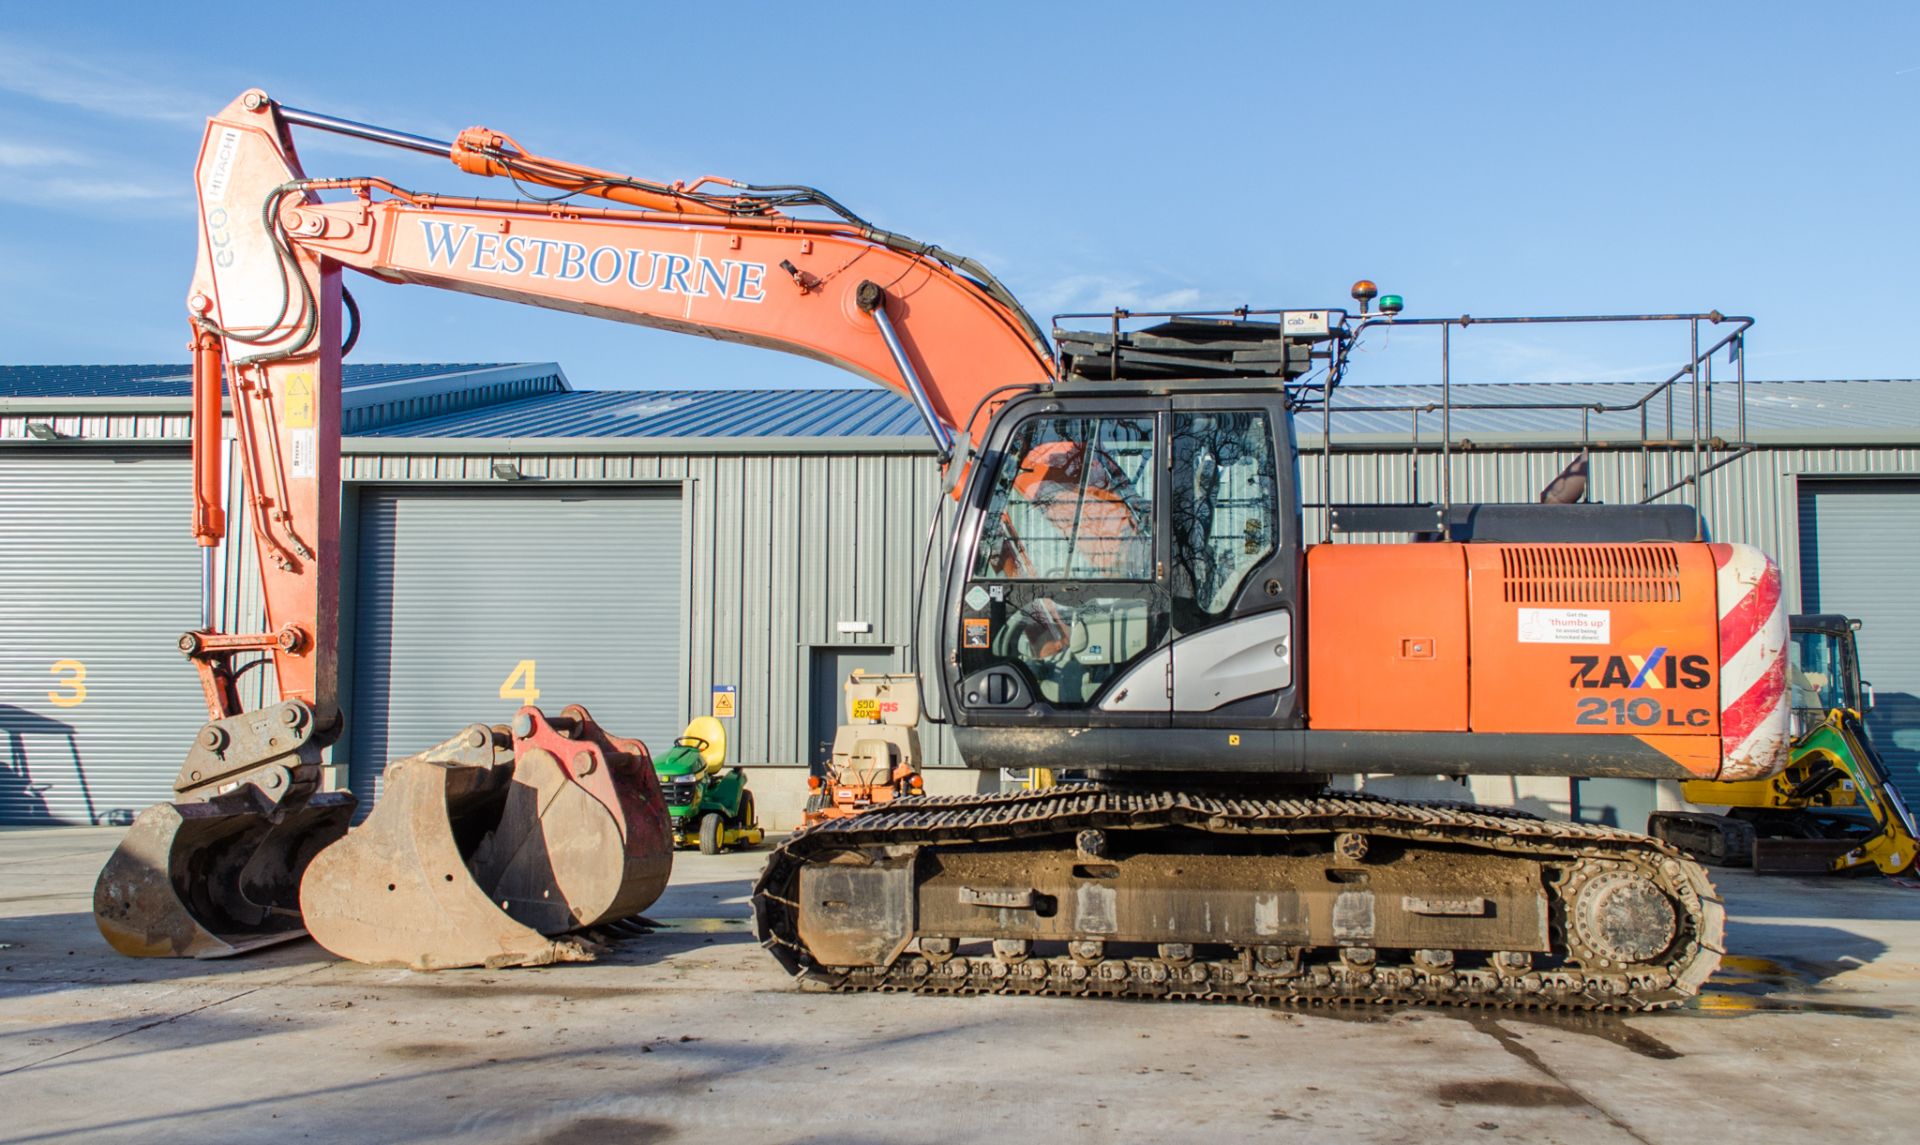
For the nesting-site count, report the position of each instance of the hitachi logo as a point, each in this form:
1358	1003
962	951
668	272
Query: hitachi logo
465	246
221	173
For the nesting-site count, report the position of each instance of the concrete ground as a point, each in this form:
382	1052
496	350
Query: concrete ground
694	1034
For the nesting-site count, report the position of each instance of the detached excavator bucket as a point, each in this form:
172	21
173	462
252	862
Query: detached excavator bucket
488	849
218	873
206	880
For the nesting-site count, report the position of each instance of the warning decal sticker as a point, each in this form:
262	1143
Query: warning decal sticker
298	405
1565	626
303	452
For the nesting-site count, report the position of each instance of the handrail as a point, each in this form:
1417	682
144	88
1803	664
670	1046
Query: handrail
1341	331
1697	370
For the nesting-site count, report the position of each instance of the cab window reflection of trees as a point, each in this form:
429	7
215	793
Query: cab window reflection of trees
1225	512
1073	501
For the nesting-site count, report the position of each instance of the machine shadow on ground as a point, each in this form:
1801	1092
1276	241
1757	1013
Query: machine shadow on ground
529	1106
1823	950
1862	896
131	1038
65	950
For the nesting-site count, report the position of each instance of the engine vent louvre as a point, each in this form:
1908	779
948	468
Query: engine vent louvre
1589	574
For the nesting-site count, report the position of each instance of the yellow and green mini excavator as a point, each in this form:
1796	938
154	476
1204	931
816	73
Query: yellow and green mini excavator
1835	807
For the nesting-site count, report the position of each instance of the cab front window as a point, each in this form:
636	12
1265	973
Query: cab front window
1073	501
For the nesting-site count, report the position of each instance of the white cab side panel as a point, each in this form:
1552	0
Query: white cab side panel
1142	689
1212	668
1233	661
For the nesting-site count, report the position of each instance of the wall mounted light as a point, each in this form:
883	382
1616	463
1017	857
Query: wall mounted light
508	471
44	431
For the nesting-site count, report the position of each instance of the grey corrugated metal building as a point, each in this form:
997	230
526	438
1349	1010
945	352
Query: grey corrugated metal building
503	535
98	575
637	550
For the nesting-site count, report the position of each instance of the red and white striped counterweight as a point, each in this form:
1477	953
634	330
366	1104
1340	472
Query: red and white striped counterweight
1755	712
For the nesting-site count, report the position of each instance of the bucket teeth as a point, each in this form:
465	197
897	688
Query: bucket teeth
470	860
213	878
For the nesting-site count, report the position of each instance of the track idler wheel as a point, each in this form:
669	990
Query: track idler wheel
488	849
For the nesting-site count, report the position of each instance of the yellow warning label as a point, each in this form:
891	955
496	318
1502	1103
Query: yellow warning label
866	710
723	701
298	403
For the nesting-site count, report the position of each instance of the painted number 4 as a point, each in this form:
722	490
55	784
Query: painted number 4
519	684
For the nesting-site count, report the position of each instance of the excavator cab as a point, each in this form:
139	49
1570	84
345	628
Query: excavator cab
1823	667
1132	550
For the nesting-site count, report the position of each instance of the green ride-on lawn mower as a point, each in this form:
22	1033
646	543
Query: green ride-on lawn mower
709	806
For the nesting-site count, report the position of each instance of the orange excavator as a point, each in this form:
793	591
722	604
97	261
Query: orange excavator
1128	593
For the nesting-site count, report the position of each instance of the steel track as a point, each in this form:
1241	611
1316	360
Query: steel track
1568	978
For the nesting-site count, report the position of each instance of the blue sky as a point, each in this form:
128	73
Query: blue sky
1755	158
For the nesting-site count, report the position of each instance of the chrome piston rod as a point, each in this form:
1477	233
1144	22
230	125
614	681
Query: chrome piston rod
386	135
873	300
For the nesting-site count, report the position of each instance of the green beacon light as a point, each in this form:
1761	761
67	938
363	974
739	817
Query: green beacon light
1391	304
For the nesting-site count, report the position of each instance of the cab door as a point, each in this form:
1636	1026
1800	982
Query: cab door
1059	589
1234	560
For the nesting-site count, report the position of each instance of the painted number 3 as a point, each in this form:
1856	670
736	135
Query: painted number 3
72	678
519	684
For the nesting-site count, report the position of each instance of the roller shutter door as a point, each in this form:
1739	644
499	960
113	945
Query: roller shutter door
462	595
98	578
1860	555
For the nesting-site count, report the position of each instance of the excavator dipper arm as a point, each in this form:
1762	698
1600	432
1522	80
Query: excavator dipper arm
220	870
217	871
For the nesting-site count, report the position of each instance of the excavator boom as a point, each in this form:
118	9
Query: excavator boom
931	325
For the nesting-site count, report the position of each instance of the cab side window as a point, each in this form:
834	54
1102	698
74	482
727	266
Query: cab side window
1225	509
